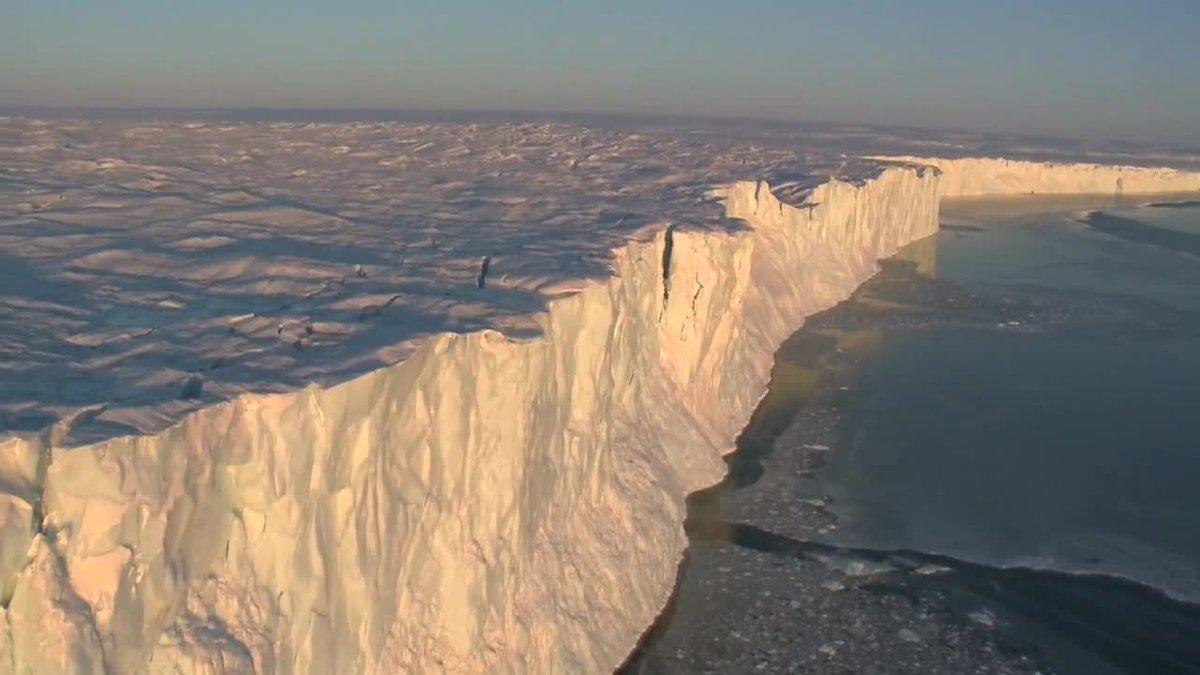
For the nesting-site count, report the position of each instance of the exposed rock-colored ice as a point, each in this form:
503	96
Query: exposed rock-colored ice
484	503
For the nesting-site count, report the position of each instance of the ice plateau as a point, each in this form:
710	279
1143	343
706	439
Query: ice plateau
496	483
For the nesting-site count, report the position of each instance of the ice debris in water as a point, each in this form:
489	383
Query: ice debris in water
983	617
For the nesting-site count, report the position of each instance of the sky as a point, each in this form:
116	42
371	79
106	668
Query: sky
1095	69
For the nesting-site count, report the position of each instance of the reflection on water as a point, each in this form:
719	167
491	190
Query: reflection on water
804	363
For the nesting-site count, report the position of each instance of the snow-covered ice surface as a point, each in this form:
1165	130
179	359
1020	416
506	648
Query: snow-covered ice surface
149	268
494	501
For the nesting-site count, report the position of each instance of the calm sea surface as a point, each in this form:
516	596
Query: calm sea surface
1068	439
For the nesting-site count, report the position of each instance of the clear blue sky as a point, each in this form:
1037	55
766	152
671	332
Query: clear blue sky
1127	69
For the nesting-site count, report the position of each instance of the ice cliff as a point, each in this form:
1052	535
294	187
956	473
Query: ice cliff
978	177
485	505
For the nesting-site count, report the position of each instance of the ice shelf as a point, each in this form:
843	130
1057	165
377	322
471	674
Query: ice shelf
483	502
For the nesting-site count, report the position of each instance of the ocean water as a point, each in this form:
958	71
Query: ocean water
1067	439
1012	403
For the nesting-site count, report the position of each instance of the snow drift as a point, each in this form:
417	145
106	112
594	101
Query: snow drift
485	505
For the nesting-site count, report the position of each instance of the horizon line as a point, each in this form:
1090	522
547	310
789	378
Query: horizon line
26	110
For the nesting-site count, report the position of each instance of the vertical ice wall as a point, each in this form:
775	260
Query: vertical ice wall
485	505
976	177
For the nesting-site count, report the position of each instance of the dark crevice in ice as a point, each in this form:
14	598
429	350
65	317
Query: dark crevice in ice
668	247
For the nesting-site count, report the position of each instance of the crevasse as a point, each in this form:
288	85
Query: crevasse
485	505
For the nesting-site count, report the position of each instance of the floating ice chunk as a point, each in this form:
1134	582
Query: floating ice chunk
983	617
